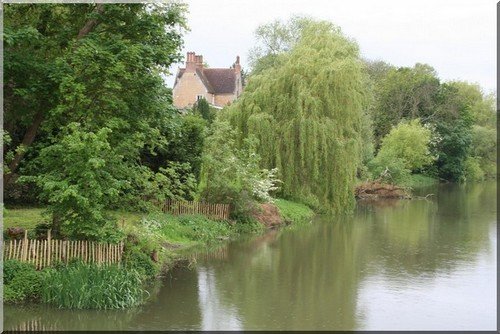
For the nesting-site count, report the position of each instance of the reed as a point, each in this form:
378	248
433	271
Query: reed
89	286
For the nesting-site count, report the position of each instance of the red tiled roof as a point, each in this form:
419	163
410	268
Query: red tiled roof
220	80
216	80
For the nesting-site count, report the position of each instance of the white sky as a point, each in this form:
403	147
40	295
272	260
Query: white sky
456	37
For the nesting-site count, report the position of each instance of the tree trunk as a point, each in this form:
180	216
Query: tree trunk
91	24
29	137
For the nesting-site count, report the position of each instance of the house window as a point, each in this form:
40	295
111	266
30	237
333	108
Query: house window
199	97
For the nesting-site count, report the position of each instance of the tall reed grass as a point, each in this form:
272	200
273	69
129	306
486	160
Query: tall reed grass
88	286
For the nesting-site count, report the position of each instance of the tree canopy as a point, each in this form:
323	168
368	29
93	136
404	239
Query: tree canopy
87	74
305	112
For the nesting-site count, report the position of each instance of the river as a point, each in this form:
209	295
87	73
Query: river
422	264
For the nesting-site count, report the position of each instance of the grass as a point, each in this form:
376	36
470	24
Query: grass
88	286
26	218
170	237
293	212
419	180
187	229
29	217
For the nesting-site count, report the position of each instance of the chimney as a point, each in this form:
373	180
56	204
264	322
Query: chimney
199	61
237	66
190	62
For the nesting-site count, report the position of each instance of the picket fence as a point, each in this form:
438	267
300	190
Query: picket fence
215	211
43	253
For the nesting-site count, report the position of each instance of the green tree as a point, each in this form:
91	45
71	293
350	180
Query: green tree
482	106
231	174
306	115
99	66
185	145
79	177
275	39
202	108
453	121
409	141
404	150
403	94
484	149
73	62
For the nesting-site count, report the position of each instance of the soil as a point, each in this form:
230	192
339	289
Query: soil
268	215
377	190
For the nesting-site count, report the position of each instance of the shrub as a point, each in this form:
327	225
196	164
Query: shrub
88	286
21	281
10	295
473	171
138	259
389	169
231	173
408	141
139	245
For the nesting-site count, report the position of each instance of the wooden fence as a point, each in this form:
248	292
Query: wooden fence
215	211
43	253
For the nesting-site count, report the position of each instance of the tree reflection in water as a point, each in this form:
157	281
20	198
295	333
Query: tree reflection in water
391	260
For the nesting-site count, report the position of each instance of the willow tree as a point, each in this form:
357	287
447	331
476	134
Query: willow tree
306	113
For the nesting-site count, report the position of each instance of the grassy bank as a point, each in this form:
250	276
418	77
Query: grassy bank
154	243
292	212
419	181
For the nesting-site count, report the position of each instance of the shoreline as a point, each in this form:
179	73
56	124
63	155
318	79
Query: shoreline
155	244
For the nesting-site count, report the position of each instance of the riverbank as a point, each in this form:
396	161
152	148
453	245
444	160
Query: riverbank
375	189
434	253
153	244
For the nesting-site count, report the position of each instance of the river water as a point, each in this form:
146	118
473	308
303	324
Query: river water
394	265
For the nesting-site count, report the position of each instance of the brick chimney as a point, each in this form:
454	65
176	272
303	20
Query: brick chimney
199	61
237	66
190	62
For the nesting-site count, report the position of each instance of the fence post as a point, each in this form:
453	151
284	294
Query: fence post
24	253
49	240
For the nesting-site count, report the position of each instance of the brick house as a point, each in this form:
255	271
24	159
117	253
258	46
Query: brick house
219	86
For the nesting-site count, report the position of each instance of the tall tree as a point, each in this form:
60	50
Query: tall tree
82	74
403	94
275	39
72	62
306	115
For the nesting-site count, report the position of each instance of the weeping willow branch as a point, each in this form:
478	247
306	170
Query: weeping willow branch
306	114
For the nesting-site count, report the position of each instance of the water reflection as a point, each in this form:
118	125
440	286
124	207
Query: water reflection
419	264
216	314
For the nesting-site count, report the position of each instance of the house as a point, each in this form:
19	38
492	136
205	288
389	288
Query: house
219	86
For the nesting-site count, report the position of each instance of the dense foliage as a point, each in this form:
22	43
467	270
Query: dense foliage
21	282
459	113
306	114
89	129
404	150
231	172
79	176
202	108
84	99
89	124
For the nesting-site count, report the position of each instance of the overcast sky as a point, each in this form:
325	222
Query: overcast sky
456	37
